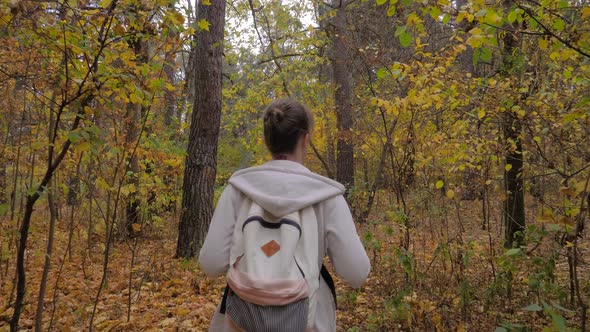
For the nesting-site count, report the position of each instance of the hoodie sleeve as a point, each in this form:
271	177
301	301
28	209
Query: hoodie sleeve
214	255
344	246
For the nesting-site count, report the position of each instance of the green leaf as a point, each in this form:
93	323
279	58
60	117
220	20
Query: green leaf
74	136
486	54
399	30
381	2
556	305
381	72
446	18
559	25
554	228
391	11
511	17
4	208
531	23
405	39
482	54
533	307
513	251
435	12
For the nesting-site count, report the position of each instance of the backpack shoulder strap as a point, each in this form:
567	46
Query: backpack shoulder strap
325	274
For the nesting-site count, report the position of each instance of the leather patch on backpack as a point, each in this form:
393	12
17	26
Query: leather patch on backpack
270	248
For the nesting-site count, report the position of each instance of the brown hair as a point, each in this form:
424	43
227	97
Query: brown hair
285	120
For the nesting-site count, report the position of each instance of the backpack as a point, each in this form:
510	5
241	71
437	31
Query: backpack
274	272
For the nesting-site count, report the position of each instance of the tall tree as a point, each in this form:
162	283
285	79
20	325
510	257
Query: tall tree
342	78
201	159
135	111
514	216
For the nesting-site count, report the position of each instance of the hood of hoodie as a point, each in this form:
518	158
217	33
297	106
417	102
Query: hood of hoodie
281	186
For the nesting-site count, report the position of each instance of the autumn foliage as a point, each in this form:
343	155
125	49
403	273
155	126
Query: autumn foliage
463	136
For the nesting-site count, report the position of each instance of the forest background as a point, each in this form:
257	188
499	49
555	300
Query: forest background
460	129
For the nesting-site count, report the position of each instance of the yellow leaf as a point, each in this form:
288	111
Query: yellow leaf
203	24
136	227
206	2
439	184
508	167
492	17
450	194
84	146
102	184
481	114
176	17
543	43
585	12
546	216
579	187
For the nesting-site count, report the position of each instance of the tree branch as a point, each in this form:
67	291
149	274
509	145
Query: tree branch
553	34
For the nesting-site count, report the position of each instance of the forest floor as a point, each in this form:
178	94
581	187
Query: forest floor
447	281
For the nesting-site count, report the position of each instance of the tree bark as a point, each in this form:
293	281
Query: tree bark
514	214
169	96
48	254
133	118
342	77
52	220
201	160
2	183
470	176
131	136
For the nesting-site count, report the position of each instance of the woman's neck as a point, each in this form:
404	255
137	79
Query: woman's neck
289	156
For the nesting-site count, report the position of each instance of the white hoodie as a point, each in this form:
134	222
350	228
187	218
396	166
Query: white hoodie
282	187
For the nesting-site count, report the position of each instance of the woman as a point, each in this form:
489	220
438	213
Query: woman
280	187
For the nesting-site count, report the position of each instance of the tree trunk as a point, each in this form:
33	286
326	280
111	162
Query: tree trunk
201	160
48	254
3	183
342	76
52	220
133	119
470	176
169	96
514	214
131	136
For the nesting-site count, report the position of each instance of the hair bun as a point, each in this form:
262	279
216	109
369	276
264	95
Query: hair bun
275	115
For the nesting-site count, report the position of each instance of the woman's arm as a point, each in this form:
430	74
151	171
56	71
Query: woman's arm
345	249
214	255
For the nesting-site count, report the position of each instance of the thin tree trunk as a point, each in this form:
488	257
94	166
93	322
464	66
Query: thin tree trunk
48	254
52	221
74	198
53	164
132	207
514	215
2	183
201	160
342	77
169	96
